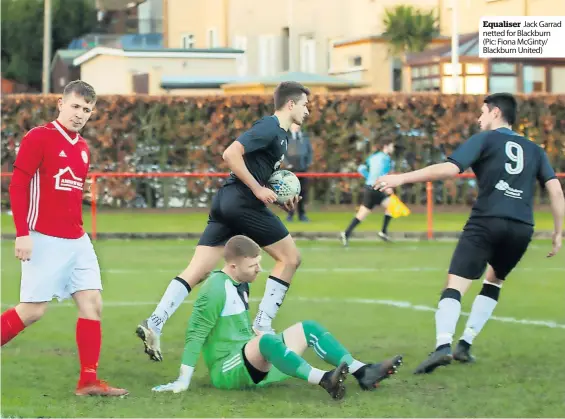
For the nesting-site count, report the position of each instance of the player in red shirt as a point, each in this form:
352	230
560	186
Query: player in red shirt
58	259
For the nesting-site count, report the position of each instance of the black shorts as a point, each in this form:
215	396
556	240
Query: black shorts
372	198
497	241
236	210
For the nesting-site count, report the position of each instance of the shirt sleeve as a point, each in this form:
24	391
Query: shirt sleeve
28	160
468	152
258	137
545	172
205	314
377	167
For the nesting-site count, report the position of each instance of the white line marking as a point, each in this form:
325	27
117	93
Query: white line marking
309	300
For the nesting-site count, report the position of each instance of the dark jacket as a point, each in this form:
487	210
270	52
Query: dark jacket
299	153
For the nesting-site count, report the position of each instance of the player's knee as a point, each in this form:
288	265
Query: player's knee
268	343
294	259
313	329
31	312
89	303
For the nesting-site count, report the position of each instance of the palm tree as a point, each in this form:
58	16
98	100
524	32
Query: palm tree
409	29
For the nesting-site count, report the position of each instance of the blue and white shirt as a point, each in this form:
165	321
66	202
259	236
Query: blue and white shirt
376	165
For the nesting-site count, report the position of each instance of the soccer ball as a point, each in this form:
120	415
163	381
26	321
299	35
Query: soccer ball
285	184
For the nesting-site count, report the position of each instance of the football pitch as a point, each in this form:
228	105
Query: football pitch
377	298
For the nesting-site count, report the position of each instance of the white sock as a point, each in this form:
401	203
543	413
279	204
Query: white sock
481	311
447	315
275	291
315	376
173	297
355	365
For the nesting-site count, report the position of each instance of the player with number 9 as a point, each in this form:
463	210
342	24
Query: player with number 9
501	224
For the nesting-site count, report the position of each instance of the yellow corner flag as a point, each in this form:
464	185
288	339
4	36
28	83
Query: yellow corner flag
397	208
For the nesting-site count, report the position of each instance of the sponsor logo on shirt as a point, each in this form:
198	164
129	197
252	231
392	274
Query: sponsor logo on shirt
508	191
66	180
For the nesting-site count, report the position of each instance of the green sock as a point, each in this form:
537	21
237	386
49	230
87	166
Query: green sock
326	346
289	362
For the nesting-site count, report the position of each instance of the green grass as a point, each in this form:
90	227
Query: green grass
518	373
174	222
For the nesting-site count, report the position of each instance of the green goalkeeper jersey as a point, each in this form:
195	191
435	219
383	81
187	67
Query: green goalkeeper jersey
219	322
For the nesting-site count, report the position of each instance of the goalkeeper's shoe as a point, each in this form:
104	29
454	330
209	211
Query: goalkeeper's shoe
436	359
332	381
462	352
370	375
151	340
344	239
99	388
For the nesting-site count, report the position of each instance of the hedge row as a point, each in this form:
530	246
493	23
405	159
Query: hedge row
169	133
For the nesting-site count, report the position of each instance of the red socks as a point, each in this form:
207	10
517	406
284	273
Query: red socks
89	341
11	325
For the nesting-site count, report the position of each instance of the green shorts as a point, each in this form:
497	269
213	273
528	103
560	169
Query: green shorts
232	373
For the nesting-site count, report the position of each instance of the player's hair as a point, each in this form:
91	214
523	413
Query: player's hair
507	104
82	89
241	247
383	142
288	90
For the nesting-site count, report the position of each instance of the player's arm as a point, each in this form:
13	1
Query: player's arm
206	312
546	177
28	160
256	138
461	159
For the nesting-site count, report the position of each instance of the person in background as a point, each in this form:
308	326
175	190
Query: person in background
298	160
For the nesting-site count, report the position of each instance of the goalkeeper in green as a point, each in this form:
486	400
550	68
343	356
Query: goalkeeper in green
220	328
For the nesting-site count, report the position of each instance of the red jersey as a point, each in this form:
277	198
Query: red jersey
47	184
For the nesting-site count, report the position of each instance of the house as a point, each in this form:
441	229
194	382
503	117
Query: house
63	70
431	70
128	71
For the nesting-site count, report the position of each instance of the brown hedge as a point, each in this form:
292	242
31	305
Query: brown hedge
129	133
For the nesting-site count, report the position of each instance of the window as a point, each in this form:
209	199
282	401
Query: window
534	79
503	68
267	51
449	87
447	69
474	68
307	55
285	49
503	84
396	75
187	41
558	80
212	36
240	42
356	61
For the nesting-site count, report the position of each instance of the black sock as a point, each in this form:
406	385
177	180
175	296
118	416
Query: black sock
352	226
386	222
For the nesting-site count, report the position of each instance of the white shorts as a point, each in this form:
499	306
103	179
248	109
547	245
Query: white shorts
58	268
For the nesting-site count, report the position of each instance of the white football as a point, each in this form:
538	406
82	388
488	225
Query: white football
285	184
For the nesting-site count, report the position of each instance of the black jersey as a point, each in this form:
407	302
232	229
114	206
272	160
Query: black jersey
265	145
507	166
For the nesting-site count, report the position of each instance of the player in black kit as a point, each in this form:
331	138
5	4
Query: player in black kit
501	223
240	207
